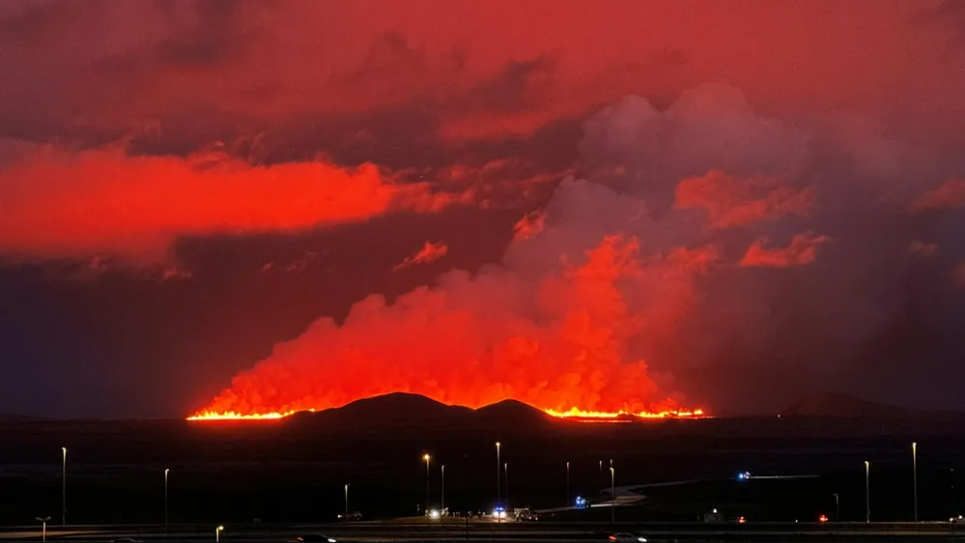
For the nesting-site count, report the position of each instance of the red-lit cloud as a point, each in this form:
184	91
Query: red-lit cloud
959	275
923	249
802	250
730	201
430	252
102	202
948	195
530	225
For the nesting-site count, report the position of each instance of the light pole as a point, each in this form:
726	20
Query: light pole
867	491
217	533
442	497
837	508
426	457
506	474
498	476
43	533
63	494
166	471
346	501
567	484
914	463
613	494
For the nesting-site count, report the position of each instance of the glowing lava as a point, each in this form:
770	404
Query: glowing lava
666	414
573	413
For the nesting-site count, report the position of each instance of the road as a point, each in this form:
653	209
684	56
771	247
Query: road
510	531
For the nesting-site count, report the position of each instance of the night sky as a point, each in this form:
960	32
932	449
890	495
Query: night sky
268	206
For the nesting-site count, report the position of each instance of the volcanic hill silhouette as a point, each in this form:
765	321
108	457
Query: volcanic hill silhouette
834	404
400	410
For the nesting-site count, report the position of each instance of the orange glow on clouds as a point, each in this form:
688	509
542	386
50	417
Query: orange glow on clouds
58	204
802	250
948	195
730	201
430	252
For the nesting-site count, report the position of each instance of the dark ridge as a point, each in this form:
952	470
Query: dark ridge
395	410
17	417
834	404
512	411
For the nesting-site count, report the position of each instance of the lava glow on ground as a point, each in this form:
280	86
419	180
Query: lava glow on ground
574	413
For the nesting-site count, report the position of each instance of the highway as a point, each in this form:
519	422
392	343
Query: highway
454	530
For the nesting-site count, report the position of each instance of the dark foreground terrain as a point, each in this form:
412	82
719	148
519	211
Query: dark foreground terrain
294	470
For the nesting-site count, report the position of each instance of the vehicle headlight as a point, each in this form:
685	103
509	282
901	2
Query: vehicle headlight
331	540
642	539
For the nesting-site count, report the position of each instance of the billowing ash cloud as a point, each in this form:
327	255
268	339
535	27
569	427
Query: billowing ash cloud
705	241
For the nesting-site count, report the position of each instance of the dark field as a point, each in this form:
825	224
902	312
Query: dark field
294	470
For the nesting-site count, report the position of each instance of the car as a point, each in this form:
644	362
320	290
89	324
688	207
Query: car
354	515
315	537
626	537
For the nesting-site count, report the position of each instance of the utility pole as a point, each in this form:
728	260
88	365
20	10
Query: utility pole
914	463
867	491
63	494
442	499
613	495
166	471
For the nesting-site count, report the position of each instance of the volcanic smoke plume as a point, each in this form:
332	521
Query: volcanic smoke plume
694	233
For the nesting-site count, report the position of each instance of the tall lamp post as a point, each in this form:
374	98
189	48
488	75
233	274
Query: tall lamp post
63	493
498	476
166	472
346	501
506	474
426	457
43	521
914	464
613	494
837	507
867	491
442	498
217	533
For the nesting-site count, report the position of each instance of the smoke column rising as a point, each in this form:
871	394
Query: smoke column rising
689	241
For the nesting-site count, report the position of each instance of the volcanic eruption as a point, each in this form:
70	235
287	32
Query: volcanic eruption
592	290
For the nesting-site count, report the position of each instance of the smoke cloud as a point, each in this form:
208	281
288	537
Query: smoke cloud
594	289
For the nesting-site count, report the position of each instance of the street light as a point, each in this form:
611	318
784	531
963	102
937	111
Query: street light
837	508
613	494
498	476
166	471
63	495
44	520
867	491
217	533
346	501
914	463
442	497
506	473
426	457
